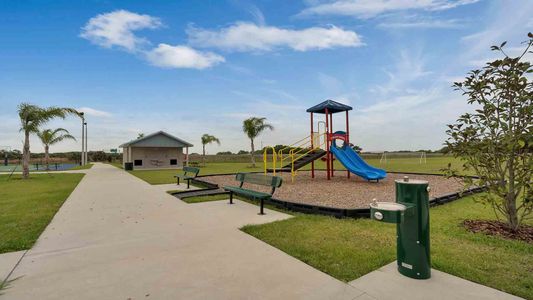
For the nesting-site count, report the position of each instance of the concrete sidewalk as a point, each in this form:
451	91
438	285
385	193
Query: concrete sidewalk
117	237
387	283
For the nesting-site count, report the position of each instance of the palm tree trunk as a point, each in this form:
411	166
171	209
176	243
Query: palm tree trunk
252	152
47	157
203	154
26	156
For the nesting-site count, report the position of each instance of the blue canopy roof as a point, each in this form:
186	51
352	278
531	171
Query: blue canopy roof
332	106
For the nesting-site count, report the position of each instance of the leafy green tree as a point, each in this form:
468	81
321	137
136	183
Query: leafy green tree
224	153
253	127
496	140
32	117
207	139
50	137
443	150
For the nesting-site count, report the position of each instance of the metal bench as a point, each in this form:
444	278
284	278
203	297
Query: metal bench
194	163
257	179
189	173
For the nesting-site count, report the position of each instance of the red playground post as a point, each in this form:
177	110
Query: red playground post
328	108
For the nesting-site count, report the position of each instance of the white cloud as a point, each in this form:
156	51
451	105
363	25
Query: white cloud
428	23
371	8
244	36
257	14
409	68
167	56
508	23
94	112
116	29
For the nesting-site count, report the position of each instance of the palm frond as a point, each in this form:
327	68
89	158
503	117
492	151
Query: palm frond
208	139
254	126
50	137
61	138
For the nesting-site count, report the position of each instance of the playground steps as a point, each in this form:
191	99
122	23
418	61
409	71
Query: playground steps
302	161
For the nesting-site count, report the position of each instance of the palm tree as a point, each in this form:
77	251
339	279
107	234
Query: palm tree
253	127
207	139
31	118
49	137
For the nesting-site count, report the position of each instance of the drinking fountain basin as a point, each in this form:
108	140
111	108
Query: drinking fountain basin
389	212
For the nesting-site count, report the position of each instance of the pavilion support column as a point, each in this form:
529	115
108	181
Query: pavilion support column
187	156
312	147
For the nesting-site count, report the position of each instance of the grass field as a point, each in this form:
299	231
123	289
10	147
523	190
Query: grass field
350	248
433	165
27	206
116	164
167	176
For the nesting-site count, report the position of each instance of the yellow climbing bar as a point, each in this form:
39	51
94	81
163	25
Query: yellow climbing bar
265	159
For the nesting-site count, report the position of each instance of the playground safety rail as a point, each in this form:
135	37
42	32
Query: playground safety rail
294	158
265	159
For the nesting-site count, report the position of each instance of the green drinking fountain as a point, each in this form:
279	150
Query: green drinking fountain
410	213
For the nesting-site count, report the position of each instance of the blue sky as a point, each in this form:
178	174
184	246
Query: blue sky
194	67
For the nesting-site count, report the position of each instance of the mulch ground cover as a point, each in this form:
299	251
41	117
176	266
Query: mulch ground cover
342	192
497	228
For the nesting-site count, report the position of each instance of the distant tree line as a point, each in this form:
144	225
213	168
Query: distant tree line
72	156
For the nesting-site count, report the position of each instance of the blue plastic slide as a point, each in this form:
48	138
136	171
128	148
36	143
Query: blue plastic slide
355	164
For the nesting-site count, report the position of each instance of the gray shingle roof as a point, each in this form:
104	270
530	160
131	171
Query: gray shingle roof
153	140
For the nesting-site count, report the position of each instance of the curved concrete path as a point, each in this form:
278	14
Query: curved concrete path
117	237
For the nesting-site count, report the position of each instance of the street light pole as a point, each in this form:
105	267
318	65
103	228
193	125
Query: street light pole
86	148
82	156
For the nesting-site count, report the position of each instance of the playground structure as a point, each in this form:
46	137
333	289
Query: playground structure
321	144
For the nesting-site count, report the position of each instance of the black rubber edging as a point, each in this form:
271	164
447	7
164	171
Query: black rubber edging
209	186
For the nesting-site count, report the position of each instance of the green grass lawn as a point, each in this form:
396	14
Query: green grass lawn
116	164
350	248
411	164
167	176
85	167
433	165
27	206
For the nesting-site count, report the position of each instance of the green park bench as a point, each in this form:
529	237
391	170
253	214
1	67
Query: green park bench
194	163
189	173
257	179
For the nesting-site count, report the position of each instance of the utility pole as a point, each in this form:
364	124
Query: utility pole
82	156
86	147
